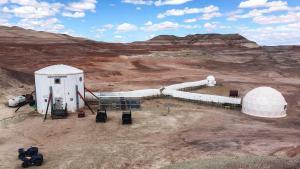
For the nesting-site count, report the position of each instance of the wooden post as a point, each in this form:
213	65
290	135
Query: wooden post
52	100
78	93
77	97
49	100
91	93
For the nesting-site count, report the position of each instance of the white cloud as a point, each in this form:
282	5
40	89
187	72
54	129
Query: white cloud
3	1
156	3
100	31
210	25
277	35
258	14
83	5
49	25
108	26
148	23
4	22
208	13
160	26
190	26
25	2
138	8
35	11
152	36
294	26
208	16
126	27
74	14
41	15
138	2
181	12
238	14
253	3
33	14
167	25
287	18
277	6
273	5
191	20
78	9
170	2
118	36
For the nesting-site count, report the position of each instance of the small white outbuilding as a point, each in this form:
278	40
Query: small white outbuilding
264	102
211	81
63	82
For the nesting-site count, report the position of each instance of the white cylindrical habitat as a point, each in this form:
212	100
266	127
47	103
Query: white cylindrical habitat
63	80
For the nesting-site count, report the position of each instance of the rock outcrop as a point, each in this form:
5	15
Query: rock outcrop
202	40
17	35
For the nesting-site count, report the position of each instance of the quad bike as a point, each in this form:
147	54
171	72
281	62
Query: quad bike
30	157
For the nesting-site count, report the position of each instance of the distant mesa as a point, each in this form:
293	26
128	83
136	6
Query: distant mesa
203	40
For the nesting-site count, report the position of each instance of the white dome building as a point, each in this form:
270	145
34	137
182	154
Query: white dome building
63	80
211	81
264	102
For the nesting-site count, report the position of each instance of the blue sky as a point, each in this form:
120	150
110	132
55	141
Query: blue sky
268	22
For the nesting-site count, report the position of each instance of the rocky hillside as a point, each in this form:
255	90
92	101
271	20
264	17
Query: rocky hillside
234	40
11	78
19	35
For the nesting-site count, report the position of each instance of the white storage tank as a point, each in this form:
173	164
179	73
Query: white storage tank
63	80
264	102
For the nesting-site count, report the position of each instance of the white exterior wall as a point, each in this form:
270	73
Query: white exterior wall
66	90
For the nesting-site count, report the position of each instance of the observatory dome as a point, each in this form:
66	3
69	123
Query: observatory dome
264	102
211	81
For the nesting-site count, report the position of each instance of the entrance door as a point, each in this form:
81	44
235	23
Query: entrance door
58	103
58	89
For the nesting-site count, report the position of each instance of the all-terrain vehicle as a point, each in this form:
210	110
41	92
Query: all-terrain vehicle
30	157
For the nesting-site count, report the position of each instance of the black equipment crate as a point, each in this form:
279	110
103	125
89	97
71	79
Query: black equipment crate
101	116
126	118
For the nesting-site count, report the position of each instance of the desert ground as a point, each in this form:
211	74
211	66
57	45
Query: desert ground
190	135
